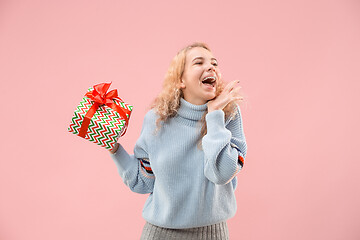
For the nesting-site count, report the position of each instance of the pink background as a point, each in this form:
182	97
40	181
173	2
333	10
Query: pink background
298	62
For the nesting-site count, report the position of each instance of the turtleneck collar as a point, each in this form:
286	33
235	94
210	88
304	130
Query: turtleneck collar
189	113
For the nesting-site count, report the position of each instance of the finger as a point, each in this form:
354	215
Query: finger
235	92
233	98
238	100
236	89
231	85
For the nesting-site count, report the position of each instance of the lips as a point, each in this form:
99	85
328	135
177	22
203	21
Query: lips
209	80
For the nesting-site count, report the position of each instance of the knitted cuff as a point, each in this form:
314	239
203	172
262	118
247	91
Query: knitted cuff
215	119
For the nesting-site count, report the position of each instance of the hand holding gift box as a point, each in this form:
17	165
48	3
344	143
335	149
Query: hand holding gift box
101	117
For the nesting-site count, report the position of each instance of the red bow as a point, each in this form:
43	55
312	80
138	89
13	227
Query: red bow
100	97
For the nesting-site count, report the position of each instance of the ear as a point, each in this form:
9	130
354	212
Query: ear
182	84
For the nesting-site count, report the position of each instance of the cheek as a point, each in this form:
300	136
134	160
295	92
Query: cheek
219	74
196	71
195	75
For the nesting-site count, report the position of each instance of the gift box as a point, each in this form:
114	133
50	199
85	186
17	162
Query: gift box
101	117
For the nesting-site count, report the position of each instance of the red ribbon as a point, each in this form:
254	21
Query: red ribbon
100	97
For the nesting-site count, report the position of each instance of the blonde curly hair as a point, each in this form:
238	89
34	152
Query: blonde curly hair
167	103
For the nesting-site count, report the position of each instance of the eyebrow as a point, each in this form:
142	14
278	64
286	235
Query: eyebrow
203	58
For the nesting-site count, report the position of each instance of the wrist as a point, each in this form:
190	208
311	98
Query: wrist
212	108
116	147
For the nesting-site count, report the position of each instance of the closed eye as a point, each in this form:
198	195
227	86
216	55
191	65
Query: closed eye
215	64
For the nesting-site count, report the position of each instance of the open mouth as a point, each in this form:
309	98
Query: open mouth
210	81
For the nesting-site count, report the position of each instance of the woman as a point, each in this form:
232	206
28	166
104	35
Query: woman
191	147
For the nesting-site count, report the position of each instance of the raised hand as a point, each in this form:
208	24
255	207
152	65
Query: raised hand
229	94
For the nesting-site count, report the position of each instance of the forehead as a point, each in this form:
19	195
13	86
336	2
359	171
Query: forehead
198	52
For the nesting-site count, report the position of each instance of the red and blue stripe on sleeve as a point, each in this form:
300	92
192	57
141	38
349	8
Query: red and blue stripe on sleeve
240	155
146	168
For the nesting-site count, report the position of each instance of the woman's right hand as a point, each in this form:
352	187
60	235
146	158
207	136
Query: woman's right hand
115	148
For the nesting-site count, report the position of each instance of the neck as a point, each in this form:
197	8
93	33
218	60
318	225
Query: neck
189	113
194	101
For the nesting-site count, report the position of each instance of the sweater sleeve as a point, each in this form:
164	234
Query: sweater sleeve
135	170
224	147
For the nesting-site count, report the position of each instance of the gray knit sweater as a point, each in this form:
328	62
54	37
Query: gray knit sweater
188	187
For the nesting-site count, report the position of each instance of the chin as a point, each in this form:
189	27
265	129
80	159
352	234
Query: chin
210	98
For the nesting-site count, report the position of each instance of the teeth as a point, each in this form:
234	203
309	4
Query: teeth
213	78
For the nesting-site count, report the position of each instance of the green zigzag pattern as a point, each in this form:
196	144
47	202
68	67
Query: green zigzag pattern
94	131
79	115
116	123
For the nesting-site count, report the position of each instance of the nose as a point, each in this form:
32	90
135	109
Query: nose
211	68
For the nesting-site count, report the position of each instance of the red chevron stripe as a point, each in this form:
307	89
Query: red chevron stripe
125	104
87	105
72	125
98	132
112	118
113	134
97	136
105	119
104	130
112	145
112	129
92	130
78	120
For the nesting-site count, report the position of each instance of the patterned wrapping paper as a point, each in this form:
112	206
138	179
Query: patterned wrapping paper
106	125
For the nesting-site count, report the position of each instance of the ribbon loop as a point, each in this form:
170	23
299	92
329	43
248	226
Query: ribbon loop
100	97
98	94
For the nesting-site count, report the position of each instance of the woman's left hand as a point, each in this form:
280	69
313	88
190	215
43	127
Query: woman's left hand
229	94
